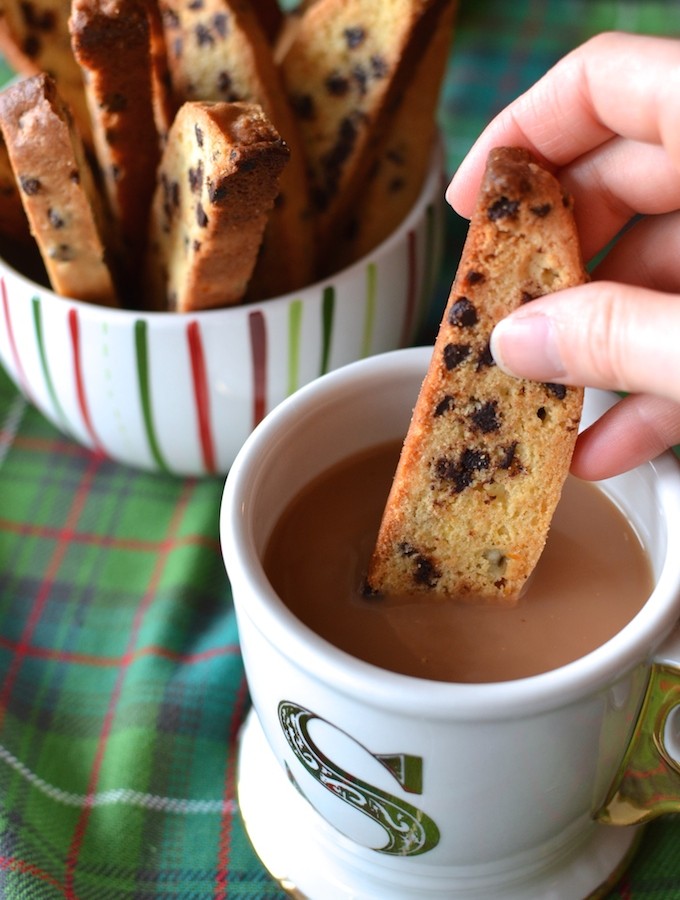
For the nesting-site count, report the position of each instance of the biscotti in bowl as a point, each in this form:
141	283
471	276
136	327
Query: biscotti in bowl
179	393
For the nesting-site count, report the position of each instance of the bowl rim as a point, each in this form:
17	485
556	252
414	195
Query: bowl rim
427	195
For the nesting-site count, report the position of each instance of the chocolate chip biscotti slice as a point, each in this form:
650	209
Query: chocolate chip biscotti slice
217	50
64	210
403	161
345	71
112	43
217	182
486	454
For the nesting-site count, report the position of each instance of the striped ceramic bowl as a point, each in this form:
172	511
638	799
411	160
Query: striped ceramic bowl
179	393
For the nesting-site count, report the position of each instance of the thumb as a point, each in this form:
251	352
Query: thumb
600	334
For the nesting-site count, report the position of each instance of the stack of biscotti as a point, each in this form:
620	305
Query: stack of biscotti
346	70
486	455
350	86
219	50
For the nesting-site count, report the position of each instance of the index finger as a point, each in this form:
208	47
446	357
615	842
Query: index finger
614	84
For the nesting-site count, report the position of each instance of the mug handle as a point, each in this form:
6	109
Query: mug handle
647	783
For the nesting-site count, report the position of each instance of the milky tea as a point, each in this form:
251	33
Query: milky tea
592	578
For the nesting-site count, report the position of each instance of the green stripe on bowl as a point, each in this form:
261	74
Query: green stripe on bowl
294	334
37	324
142	357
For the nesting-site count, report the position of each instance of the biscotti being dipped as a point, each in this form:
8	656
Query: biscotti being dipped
486	455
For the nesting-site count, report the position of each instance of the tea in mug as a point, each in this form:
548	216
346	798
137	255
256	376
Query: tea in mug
592	579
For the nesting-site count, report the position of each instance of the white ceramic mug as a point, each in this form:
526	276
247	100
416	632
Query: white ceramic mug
356	782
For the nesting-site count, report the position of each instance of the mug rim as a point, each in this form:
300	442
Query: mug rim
635	643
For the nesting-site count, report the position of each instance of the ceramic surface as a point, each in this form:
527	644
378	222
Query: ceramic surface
471	789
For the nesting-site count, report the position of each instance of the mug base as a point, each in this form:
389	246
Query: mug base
310	860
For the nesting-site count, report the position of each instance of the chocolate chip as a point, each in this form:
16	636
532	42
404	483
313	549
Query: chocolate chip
115	102
355	36
55	220
485	418
508	456
447	404
474	460
31	46
455	354
541	211
217	192
199	135
379	67
463	313
360	77
337	85
406	549
485	358
541	413
196	178
425	572
557	390
203	36
220	23
224	85
201	217
303	105
62	253
503	208
474	277
30	186
461	472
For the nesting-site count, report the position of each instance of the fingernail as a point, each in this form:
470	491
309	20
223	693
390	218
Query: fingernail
527	346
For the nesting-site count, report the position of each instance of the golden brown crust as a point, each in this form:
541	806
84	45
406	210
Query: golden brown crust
486	454
345	70
57	189
217	50
112	43
217	182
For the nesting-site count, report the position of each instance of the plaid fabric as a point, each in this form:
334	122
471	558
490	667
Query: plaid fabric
121	687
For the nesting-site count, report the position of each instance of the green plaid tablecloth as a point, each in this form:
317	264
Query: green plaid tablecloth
122	688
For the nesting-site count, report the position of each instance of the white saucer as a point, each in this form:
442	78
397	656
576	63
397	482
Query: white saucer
312	861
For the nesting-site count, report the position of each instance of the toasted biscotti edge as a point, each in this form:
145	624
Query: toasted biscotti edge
486	455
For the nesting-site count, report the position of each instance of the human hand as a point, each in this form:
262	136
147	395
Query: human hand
605	119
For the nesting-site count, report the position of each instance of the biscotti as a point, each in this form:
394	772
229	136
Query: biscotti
57	189
217	50
403	161
486	454
34	38
218	179
112	42
345	71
